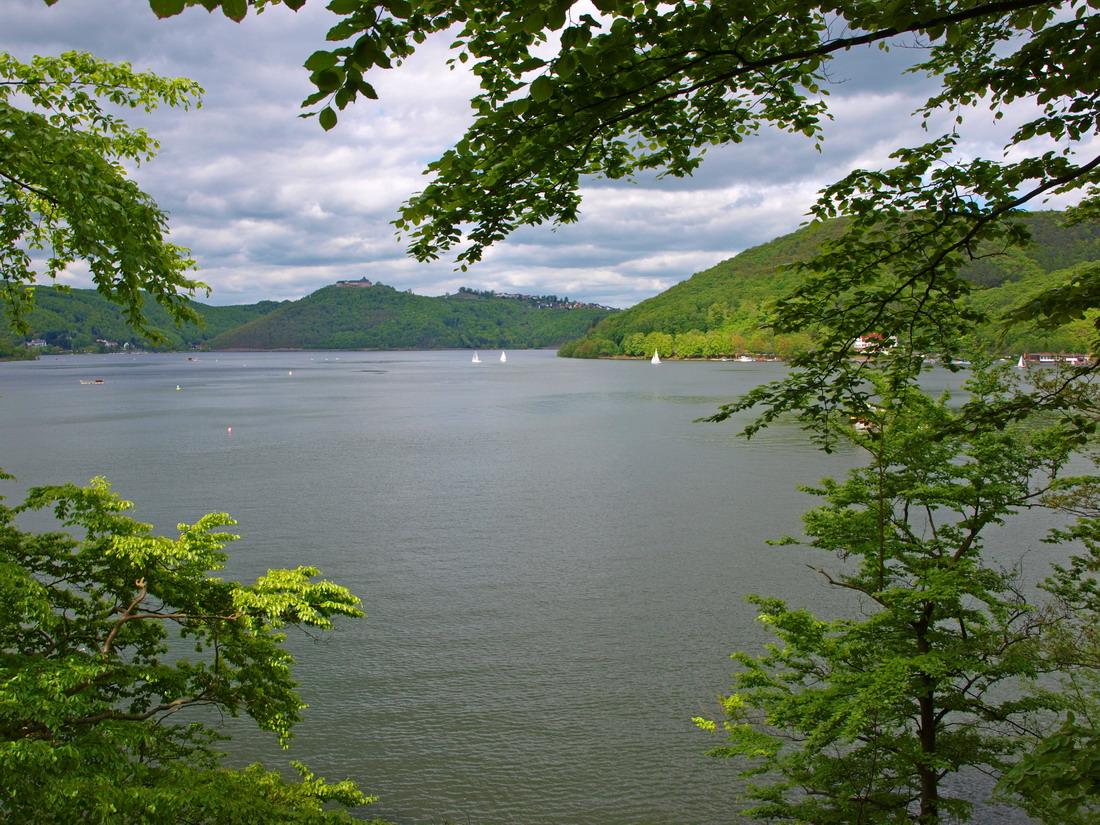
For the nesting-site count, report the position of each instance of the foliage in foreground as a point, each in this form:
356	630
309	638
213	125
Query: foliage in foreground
64	192
1059	780
109	636
864	720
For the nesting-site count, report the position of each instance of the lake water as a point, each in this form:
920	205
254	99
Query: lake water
552	556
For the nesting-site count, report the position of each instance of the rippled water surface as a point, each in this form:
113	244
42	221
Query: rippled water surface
551	555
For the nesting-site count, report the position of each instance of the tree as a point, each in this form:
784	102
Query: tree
689	344
633	344
64	192
1058	781
107	639
864	718
659	342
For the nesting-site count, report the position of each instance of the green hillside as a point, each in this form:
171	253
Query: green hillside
78	318
718	312
380	317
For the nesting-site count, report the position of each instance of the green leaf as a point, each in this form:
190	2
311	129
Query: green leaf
163	8
565	65
321	60
400	9
328	80
235	9
541	89
327	118
84	699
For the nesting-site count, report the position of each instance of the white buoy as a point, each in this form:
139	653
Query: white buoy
229	430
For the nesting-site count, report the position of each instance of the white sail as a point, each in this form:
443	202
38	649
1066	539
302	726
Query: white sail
475	359
503	358
656	359
1022	363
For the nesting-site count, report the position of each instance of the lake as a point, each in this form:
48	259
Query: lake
552	556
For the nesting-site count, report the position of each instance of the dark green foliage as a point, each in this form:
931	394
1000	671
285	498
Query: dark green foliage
379	317
76	318
11	350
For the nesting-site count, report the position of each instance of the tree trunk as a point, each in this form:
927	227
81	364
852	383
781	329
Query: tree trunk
926	701
929	776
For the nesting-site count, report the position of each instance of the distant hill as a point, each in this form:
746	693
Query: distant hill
77	319
354	315
717	312
358	315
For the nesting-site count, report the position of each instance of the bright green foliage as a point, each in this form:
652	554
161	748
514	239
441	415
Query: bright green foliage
106	640
863	718
64	192
1058	782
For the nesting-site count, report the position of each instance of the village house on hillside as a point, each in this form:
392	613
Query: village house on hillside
874	342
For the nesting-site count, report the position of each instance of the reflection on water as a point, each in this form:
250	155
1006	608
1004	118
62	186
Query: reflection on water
551	554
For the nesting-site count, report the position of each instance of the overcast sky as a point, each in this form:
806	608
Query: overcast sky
274	208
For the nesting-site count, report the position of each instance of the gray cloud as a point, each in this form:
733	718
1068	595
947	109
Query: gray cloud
274	208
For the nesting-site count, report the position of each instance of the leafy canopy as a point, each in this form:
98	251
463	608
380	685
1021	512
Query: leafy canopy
64	191
868	719
96	677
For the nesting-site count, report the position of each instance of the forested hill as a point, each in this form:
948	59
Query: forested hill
358	316
717	312
77	319
336	317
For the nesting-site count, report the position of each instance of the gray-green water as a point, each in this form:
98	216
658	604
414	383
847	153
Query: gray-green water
551	554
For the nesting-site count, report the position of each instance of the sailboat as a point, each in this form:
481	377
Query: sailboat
656	359
475	359
503	358
1022	364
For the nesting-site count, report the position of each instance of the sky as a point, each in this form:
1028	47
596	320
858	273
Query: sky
274	208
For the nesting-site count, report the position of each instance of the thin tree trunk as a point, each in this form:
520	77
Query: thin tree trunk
926	701
929	776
